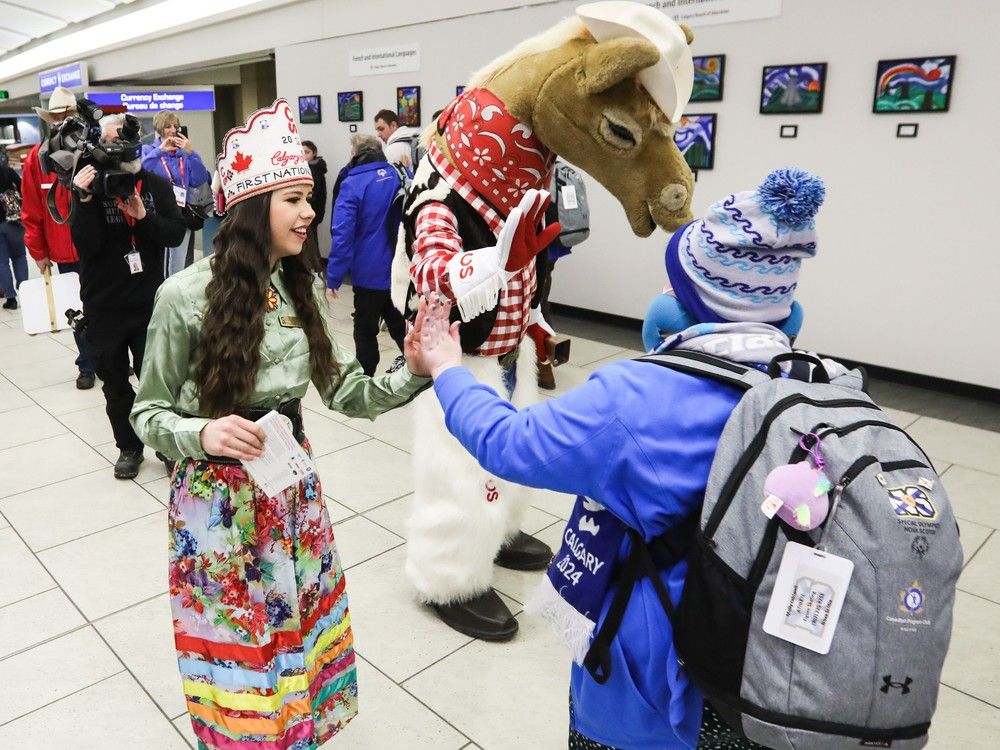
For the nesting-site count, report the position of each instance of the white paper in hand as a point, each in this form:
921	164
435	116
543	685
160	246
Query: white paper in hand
283	462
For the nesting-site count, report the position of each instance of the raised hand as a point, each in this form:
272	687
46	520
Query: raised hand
433	345
526	238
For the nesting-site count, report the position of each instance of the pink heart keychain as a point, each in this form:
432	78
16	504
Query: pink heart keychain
801	489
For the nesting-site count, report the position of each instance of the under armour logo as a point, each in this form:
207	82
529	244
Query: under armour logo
903	687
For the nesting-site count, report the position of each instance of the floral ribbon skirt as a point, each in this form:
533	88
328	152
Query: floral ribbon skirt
261	623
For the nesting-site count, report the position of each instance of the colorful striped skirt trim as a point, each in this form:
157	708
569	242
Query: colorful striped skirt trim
259	601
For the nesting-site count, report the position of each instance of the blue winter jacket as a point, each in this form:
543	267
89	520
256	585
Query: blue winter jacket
195	172
363	232
639	439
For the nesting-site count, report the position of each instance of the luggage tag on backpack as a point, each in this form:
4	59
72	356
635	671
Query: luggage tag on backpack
568	195
807	598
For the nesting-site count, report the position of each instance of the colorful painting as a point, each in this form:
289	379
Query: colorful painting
709	73
916	84
793	89
350	106
309	110
695	137
408	105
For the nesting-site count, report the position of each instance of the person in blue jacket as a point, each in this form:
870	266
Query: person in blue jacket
636	443
364	228
173	157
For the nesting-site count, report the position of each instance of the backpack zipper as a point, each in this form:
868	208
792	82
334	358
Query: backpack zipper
757	445
846	429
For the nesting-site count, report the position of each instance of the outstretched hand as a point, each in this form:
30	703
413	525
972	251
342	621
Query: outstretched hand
432	345
522	232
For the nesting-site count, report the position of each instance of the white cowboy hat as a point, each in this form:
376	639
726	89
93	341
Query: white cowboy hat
669	82
62	100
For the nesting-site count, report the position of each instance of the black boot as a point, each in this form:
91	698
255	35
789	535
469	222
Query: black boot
524	552
127	465
485	617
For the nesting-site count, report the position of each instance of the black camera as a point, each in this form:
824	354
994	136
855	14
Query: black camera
77	142
76	320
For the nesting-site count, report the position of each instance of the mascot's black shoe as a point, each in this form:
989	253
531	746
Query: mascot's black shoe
524	552
486	617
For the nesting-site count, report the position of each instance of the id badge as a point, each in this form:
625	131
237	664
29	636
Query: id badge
807	598
180	195
568	195
134	262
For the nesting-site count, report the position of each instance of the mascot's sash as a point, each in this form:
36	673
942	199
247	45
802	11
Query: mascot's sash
571	595
497	154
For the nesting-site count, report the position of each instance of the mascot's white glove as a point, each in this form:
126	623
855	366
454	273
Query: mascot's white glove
477	276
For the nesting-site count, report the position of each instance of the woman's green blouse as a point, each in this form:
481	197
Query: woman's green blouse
167	383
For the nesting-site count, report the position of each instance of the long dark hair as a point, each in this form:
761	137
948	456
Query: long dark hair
233	327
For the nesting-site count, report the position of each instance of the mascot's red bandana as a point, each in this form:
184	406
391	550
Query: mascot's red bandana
499	156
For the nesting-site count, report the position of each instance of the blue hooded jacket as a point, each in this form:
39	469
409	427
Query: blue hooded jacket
639	439
195	173
364	227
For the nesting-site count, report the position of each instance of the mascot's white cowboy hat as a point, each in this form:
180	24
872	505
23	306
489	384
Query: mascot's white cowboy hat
61	101
670	81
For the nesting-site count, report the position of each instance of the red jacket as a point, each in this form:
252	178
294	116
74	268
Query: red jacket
42	236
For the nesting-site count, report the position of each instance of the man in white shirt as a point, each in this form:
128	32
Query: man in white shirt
397	138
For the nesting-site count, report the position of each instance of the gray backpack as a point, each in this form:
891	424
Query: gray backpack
570	196
888	514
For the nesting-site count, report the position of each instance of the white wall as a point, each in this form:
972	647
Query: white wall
906	274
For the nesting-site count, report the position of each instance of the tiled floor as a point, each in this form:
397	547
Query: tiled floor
86	652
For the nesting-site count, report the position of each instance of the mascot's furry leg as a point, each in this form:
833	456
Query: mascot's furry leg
462	516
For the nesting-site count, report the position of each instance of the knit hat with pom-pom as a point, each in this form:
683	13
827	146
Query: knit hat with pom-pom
741	261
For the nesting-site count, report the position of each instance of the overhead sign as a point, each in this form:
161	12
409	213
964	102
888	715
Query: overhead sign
711	12
71	76
202	100
401	58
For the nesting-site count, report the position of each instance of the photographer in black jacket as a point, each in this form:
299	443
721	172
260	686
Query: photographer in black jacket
121	243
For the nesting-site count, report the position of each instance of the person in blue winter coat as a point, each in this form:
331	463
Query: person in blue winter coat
364	228
173	157
635	443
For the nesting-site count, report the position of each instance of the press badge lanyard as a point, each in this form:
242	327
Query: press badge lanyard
180	191
133	258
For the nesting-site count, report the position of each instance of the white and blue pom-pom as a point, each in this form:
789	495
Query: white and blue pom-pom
792	196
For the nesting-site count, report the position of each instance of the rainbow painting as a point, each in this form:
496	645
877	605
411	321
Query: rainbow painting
793	89
709	75
695	138
916	84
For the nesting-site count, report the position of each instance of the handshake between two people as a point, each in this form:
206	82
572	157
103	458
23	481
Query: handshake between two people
431	346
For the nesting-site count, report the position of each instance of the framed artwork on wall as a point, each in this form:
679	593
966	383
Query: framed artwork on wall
792	89
709	75
309	110
350	106
695	138
914	84
408	105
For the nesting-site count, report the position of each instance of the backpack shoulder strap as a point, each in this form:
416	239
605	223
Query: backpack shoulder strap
705	365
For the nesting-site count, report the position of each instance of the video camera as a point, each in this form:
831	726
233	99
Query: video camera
77	142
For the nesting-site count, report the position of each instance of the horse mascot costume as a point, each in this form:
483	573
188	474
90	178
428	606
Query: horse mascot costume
603	90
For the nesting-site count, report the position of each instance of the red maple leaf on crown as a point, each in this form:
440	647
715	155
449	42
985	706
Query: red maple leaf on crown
242	162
